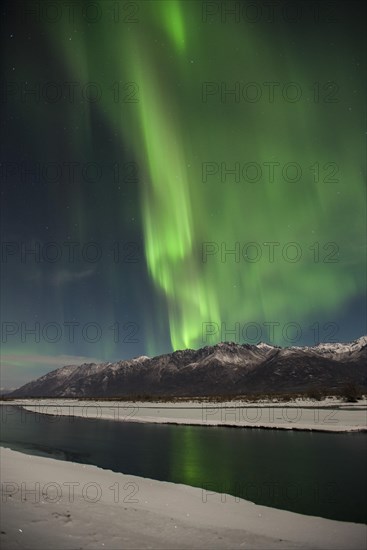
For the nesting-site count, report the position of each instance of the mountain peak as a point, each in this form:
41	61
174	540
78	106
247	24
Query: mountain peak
226	368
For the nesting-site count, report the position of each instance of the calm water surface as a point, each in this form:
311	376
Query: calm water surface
321	474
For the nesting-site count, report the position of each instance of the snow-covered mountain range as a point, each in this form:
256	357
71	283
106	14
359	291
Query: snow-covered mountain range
223	369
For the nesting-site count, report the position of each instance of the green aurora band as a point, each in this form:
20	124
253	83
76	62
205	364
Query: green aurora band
172	131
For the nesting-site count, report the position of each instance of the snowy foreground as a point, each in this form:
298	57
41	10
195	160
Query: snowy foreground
48	503
330	415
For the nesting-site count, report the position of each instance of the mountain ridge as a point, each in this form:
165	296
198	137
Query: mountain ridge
224	368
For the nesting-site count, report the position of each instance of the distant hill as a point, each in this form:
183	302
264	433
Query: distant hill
224	369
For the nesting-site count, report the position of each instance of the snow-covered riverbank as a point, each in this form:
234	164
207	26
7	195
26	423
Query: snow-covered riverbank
330	415
48	503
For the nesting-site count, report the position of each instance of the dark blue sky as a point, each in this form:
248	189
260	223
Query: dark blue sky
77	185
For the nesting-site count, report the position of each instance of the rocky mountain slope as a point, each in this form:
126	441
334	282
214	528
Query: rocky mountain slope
224	369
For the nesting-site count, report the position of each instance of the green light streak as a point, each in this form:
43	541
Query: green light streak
172	14
173	132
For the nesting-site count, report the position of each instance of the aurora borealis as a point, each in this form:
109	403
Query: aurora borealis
215	160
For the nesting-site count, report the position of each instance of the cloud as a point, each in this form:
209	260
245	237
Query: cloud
57	277
25	360
18	369
64	276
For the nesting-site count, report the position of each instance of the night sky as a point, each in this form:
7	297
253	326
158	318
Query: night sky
175	174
